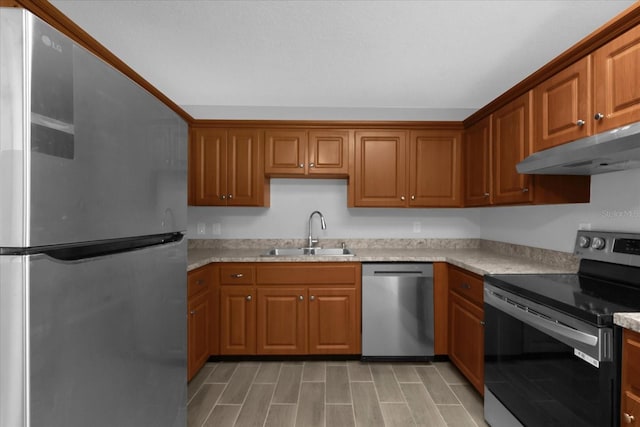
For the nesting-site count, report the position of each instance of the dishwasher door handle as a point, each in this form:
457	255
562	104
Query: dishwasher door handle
399	273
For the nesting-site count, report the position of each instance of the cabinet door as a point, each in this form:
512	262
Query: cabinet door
245	181
466	339
237	320
477	164
630	405
285	152
562	106
329	153
617	87
198	332
334	321
511	136
434	168
282	320
380	169
209	166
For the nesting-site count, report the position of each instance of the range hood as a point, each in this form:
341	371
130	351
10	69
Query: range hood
610	151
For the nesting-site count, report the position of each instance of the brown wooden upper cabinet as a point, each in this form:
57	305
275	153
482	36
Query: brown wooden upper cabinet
511	136
562	106
617	86
227	168
316	153
494	146
407	169
435	175
597	93
477	161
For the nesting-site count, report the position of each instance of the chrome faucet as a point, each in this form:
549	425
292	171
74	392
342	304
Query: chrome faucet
310	240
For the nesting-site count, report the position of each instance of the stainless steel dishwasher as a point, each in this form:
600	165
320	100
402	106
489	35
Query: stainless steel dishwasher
397	311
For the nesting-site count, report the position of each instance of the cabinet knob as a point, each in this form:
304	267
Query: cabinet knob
525	190
486	194
223	197
312	297
249	298
301	298
580	123
628	419
413	197
402	198
312	165
230	196
237	275
598	116
192	312
482	323
301	165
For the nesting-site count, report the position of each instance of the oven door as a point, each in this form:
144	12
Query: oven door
535	376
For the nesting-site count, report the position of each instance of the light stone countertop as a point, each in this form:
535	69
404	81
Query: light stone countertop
475	255
477	260
627	320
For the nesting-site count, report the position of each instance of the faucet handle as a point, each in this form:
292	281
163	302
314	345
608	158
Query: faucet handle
344	245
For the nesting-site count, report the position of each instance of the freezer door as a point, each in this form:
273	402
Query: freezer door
106	340
101	158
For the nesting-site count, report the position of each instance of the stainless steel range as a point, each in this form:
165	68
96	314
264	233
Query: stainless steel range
551	349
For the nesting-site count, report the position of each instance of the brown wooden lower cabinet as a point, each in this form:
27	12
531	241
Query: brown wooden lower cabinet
466	325
199	319
334	320
237	320
281	320
630	401
290	308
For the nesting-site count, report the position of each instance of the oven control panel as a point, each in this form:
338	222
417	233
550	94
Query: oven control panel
607	246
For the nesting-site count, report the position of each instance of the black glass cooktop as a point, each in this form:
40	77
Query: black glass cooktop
593	294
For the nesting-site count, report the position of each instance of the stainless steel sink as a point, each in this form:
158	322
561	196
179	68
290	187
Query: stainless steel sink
309	252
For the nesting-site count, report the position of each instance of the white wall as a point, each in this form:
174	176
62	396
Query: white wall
292	200
615	205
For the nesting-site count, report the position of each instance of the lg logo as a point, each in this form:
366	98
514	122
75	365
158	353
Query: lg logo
53	45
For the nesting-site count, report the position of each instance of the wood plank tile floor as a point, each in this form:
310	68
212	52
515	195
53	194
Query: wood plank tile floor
332	394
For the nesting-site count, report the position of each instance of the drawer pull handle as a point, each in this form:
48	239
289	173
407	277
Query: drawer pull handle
199	282
193	312
465	286
628	419
237	275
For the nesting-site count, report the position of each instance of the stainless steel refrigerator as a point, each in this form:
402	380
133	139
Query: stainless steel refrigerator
92	252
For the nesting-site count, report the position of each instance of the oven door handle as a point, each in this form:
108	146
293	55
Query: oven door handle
563	333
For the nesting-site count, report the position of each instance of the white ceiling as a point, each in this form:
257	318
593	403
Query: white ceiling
349	60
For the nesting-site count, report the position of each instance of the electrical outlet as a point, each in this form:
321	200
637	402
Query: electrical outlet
202	228
216	229
417	227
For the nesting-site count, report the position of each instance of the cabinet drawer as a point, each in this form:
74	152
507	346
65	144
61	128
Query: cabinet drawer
198	281
466	284
299	273
237	274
